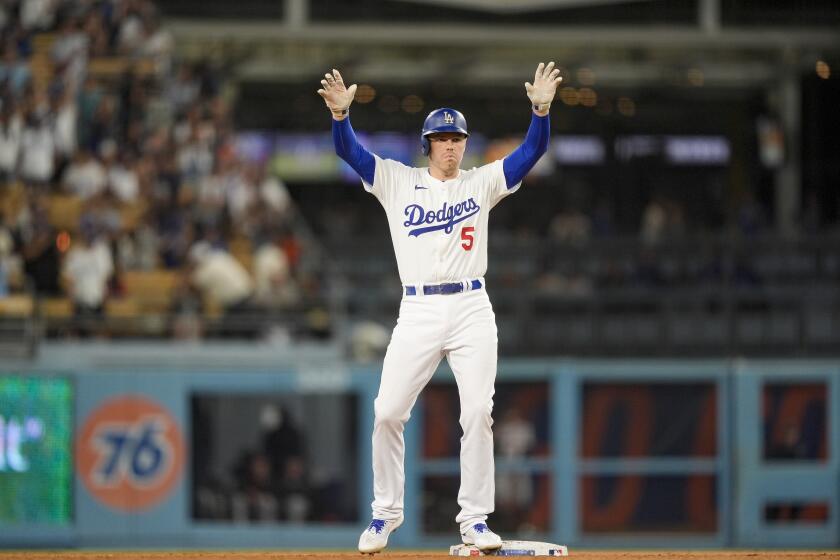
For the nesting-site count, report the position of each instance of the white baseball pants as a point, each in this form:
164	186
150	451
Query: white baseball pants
461	327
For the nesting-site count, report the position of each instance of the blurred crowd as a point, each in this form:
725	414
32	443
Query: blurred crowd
121	181
117	157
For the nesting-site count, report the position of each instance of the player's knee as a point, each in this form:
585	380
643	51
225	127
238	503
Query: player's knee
478	413
387	414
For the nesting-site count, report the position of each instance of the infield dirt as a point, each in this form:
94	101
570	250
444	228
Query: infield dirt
413	555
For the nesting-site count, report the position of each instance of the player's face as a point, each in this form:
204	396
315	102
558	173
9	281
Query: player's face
447	150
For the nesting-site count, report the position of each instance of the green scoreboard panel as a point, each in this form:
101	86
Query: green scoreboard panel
36	461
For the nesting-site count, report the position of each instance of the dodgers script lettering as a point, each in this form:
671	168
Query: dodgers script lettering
444	219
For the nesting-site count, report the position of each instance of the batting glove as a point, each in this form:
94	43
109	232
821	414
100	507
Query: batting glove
336	95
541	93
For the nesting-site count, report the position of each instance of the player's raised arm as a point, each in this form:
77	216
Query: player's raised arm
541	93
338	98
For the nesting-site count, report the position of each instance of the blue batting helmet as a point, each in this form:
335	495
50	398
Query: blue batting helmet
442	120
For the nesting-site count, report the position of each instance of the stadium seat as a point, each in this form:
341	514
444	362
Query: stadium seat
151	290
242	251
112	68
20	305
64	211
132	214
12	198
56	308
121	308
40	63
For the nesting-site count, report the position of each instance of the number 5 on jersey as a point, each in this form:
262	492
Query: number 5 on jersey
467	237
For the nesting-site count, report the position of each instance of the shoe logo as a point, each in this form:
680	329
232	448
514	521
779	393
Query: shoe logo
480	527
418	187
376	525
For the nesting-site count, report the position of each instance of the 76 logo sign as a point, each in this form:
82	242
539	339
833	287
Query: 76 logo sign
138	453
130	453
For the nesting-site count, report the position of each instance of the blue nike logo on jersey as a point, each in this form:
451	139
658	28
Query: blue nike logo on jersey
418	187
444	219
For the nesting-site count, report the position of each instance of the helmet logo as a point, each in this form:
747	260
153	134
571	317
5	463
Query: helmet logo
448	118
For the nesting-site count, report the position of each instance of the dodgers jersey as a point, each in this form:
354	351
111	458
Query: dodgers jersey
438	228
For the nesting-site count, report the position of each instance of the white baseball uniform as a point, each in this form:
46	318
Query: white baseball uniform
439	232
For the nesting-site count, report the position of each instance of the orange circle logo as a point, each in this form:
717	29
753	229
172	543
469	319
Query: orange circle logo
130	453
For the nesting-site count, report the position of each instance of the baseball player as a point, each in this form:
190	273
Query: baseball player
438	221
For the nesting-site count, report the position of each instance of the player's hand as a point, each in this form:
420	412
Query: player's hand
337	96
541	92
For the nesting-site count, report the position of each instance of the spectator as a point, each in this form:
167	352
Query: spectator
9	261
176	236
38	248
84	177
295	491
140	249
88	101
37	15
11	130
87	271
654	222
37	150
255	500
272	192
69	54
564	283
95	28
275	287
195	159
210	198
65	129
186	312
130	35
158	43
221	279
21	37
184	89
368	341
515	438
240	194
121	176
133	101
282	440
103	125
570	226
100	212
14	73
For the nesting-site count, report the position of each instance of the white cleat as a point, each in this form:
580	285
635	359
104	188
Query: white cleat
482	537
375	537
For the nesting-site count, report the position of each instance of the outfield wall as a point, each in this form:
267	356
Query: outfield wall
156	446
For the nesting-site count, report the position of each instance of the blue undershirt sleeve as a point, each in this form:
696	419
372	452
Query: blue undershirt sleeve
349	149
523	158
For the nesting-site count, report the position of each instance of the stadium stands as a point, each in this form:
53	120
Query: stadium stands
112	130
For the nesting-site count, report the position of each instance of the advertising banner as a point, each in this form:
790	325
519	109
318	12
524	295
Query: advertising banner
36	426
